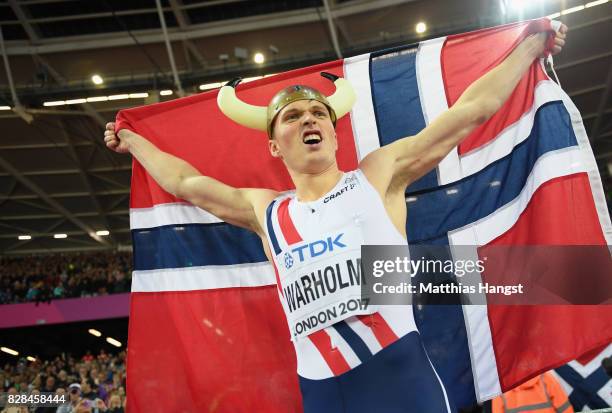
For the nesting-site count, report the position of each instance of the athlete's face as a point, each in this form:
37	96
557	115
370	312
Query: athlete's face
304	136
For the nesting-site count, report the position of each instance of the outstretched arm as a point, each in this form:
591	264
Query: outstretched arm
393	167
233	205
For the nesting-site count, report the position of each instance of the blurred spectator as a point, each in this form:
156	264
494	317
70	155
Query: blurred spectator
87	392
74	398
114	404
62	379
41	279
101	377
88	356
49	385
84	406
542	393
10	408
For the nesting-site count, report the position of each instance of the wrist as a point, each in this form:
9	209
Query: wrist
126	136
537	45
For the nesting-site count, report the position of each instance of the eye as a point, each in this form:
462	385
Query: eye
291	116
320	113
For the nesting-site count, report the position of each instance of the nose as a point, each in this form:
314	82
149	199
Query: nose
308	119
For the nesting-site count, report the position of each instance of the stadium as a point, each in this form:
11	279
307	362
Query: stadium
166	241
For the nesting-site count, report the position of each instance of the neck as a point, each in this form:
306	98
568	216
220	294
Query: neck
312	186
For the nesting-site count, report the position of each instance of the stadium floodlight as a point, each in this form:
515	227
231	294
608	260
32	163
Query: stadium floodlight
60	236
94	332
76	101
97	79
213	85
102	233
114	342
24	237
5	108
97	99
55	103
572	10
595	3
9	351
119	97
32	359
165	92
421	27
259	58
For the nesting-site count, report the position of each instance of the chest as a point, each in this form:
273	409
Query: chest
341	209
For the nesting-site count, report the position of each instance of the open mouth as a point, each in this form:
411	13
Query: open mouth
312	138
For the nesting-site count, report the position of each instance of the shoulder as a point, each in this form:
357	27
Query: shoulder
377	167
259	197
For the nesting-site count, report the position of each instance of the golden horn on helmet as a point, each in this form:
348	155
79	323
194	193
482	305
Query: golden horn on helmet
261	118
344	97
251	116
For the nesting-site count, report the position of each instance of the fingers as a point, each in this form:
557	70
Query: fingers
110	126
559	41
112	144
110	139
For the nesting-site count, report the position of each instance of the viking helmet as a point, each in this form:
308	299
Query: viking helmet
262	118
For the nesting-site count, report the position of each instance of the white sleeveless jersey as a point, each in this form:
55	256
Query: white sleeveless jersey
316	251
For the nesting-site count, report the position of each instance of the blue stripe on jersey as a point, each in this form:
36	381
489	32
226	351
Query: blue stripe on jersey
271	234
191	245
397	104
354	341
476	196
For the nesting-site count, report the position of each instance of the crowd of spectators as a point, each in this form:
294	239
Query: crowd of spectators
45	278
90	384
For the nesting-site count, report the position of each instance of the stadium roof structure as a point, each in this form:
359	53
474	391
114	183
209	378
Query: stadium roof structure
56	175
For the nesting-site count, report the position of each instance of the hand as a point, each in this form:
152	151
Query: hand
100	405
538	42
559	39
112	141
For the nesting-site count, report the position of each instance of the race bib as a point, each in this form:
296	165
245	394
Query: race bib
321	281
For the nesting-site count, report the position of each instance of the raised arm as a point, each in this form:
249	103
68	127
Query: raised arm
393	167
233	205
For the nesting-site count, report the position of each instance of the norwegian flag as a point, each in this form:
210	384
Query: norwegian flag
207	332
586	382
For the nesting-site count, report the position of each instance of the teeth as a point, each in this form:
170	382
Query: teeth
312	138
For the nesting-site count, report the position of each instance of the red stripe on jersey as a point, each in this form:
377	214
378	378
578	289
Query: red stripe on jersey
286	223
379	326
278	283
332	356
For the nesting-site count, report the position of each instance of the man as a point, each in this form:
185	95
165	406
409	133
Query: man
356	359
542	393
74	398
50	385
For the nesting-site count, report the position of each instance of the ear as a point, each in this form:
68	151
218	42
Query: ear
274	149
